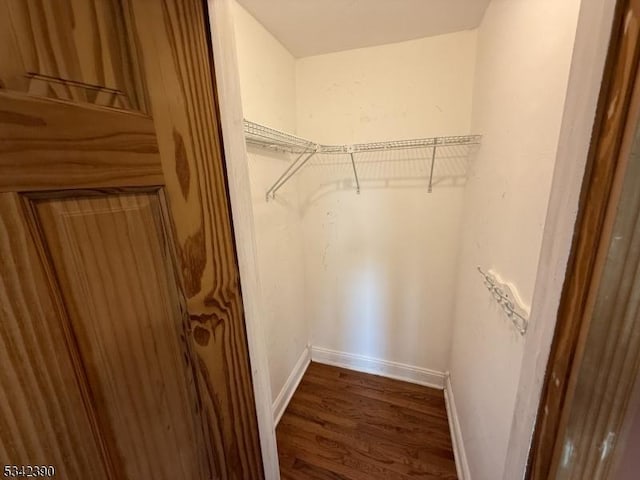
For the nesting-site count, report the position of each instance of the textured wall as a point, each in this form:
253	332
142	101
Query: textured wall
524	54
268	89
380	266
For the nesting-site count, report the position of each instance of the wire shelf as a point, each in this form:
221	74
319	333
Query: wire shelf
418	143
269	138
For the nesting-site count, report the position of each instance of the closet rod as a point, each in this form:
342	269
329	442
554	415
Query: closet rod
272	139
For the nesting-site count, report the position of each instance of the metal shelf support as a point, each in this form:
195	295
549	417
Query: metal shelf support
286	175
289	168
355	172
433	162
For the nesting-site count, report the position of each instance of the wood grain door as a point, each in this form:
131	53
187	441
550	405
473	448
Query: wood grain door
123	352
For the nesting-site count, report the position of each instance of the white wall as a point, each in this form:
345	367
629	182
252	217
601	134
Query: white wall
267	73
524	54
402	90
268	90
380	266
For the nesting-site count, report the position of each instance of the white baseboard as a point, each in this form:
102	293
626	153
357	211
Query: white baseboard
284	397
385	368
462	466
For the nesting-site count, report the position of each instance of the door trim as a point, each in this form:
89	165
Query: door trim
583	91
601	188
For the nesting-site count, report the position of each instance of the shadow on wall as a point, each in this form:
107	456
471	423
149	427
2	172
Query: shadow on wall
378	267
377	314
326	174
395	169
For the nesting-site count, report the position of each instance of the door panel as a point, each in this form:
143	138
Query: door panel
113	261
69	49
182	99
43	419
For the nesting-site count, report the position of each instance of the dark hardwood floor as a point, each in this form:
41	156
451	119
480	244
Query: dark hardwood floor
343	424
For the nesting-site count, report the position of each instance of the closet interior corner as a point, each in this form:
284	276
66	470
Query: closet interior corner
450	149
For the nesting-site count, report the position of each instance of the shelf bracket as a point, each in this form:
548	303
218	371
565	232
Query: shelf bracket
355	172
290	172
433	162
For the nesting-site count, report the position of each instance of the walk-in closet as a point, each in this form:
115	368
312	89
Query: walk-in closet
320	239
401	158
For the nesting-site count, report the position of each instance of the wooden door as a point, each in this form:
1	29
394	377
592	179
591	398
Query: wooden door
122	341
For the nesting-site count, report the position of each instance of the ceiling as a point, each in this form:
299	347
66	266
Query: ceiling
313	27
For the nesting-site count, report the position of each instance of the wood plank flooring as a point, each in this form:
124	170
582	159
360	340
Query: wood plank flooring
342	424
